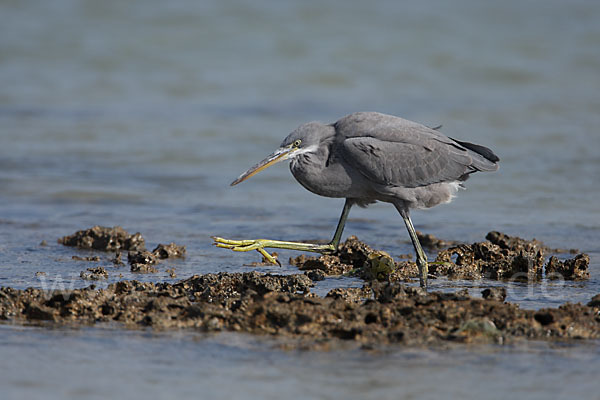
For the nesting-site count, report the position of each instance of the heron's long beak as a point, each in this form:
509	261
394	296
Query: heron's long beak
280	154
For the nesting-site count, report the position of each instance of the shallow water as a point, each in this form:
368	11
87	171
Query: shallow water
140	114
144	364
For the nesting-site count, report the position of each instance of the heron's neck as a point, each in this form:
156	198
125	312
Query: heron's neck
316	155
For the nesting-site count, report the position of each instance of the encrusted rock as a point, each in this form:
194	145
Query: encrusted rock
378	266
429	241
515	243
595	302
576	268
105	239
494	293
358	259
354	295
143	268
94	274
282	305
142	262
170	250
315	274
89	258
503	258
510	258
141	257
351	255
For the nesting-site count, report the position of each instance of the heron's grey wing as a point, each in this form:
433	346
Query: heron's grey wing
410	163
387	128
394	151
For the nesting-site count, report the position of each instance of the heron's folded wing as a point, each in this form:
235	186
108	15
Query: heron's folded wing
408	163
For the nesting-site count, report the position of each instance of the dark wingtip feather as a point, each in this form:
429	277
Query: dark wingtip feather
481	150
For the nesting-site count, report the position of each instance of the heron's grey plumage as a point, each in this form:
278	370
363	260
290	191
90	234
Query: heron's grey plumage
367	157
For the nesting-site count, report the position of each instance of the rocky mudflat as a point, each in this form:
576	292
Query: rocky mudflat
375	315
500	257
383	311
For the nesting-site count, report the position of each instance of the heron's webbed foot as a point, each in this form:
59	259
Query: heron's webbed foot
247	245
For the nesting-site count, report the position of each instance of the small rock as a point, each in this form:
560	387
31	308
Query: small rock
117	259
143	268
355	295
431	242
40	312
89	258
464	267
544	317
315	275
494	293
477	329
511	258
170	250
264	261
379	266
94	274
104	238
171	272
595	302
141	257
572	269
329	264
515	243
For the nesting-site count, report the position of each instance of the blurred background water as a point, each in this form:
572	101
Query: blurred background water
139	114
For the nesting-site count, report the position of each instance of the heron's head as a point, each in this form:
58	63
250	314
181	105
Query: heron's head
305	139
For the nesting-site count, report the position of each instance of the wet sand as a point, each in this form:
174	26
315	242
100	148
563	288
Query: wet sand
383	311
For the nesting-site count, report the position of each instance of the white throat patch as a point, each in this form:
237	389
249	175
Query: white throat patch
310	149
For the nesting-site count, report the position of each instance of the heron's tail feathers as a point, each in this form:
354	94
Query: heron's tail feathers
484	159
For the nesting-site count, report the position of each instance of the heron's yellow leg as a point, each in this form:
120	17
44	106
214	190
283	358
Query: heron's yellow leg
260	244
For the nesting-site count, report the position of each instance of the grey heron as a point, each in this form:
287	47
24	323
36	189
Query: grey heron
367	157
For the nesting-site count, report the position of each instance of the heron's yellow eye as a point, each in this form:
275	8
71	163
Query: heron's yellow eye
297	143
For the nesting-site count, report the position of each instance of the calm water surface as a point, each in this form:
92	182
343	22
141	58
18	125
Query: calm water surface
139	114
